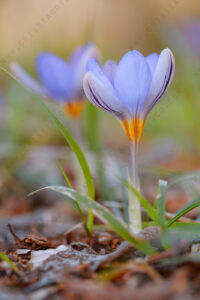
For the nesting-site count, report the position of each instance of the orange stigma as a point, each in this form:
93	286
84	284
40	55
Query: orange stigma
133	128
74	109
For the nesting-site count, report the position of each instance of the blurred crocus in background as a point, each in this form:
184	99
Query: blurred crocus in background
190	30
2	103
129	90
59	80
184	37
62	82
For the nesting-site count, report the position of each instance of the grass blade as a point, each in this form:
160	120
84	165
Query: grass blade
5	258
77	204
187	228
105	215
144	202
180	230
64	175
71	141
161	203
184	211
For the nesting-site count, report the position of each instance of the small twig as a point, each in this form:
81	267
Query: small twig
16	238
123	249
83	245
163	255
181	219
180	249
73	229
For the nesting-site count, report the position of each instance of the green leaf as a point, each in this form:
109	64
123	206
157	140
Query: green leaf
105	215
184	211
90	221
151	211
71	141
6	259
180	231
161	203
186	228
77	204
64	175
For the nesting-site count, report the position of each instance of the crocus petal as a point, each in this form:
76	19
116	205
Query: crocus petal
56	76
76	55
191	33
78	62
94	68
109	69
132	81
103	97
100	92
28	81
161	80
152	60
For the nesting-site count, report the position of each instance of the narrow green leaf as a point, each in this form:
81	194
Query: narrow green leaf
90	221
4	257
71	141
187	228
105	215
77	204
64	175
144	202
181	230
184	211
161	203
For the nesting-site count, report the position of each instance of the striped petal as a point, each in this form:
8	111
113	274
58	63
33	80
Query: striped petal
132	81
56	76
100	92
103	98
93	67
78	62
28	81
161	80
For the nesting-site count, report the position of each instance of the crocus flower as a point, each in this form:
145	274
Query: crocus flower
185	37
59	80
191	32
129	90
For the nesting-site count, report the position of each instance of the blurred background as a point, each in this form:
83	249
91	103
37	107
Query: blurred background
30	144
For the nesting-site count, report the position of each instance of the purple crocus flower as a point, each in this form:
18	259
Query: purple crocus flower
130	89
60	80
191	32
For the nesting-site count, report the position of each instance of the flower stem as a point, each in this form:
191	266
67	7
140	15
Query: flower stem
135	218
